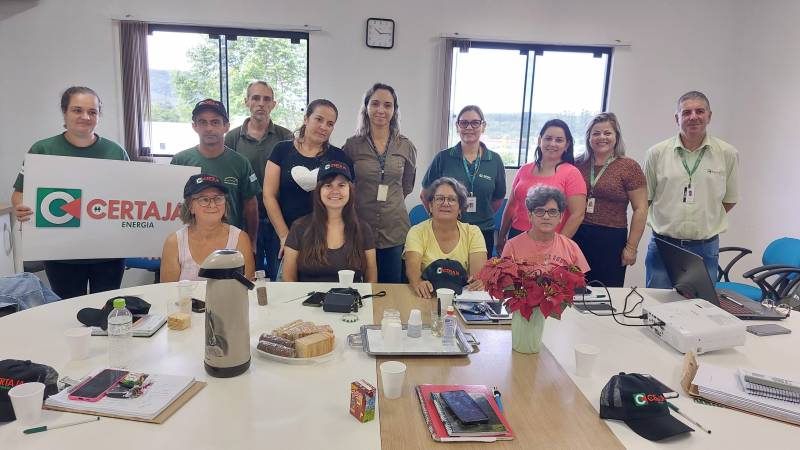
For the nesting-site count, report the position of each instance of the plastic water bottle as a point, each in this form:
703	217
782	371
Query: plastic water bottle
120	334
449	325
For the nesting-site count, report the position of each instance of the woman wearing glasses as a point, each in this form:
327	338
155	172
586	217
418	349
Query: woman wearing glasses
542	243
385	161
203	212
479	169
613	181
554	167
444	237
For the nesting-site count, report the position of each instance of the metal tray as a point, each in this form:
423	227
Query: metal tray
467	343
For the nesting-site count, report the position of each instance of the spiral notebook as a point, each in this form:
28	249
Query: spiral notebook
769	386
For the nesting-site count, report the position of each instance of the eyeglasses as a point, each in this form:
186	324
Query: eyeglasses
207	201
469	123
441	199
552	212
205	123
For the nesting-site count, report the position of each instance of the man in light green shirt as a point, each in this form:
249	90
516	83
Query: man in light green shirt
691	187
254	140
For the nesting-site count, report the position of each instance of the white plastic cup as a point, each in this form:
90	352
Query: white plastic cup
585	357
393	336
77	340
27	401
346	277
392	375
445	297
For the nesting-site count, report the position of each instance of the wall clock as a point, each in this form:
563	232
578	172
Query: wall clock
380	33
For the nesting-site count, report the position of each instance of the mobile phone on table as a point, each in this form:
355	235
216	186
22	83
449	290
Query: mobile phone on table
464	407
497	310
666	390
198	306
97	386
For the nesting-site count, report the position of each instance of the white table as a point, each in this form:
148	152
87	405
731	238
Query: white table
272	405
630	349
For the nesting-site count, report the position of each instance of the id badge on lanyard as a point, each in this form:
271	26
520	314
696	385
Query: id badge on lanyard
472	204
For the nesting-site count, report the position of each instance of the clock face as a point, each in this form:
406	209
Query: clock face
380	33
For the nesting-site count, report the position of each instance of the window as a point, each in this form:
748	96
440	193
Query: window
520	87
188	64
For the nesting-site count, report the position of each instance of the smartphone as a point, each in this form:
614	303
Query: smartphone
198	306
96	387
767	329
496	310
464	407
666	390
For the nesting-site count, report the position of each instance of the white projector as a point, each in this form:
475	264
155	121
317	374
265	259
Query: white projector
694	325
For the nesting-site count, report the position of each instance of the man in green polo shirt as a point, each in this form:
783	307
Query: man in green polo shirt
210	122
691	187
254	140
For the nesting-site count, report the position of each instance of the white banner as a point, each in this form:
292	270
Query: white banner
98	208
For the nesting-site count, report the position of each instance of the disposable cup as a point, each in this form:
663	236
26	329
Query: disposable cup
585	357
346	277
77	340
26	399
392	375
445	297
393	336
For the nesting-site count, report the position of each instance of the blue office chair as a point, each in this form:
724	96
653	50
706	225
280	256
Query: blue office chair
775	279
150	265
417	215
498	217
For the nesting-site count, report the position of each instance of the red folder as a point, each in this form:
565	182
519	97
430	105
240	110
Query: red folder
434	421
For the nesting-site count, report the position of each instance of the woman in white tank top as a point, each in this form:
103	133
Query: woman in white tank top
203	212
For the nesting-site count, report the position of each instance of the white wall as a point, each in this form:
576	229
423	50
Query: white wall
676	46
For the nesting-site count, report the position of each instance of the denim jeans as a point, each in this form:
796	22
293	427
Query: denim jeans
267	247
390	264
656	275
23	291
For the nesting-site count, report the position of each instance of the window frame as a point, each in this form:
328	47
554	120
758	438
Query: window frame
225	34
525	49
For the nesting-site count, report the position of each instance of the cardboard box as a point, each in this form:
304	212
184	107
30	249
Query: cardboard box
362	400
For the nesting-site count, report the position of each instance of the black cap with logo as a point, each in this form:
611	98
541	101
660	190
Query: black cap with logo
14	372
446	273
210	104
637	401
333	168
201	181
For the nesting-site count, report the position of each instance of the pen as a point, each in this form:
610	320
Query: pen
63	425
677	410
497	398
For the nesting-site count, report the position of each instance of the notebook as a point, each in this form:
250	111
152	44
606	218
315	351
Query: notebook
143	326
436	424
455	427
769	386
722	385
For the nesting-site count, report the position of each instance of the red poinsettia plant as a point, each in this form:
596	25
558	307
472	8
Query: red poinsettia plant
524	285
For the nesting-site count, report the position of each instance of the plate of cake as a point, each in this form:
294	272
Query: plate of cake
298	342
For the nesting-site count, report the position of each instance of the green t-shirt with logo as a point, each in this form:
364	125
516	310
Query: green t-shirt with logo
59	146
235	172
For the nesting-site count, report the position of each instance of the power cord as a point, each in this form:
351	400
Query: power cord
626	312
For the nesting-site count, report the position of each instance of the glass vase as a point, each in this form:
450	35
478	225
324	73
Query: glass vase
526	335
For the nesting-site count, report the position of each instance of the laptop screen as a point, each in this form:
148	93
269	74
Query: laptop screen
687	271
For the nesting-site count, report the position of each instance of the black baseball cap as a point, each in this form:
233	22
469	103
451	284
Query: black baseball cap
14	372
635	400
93	317
446	273
201	181
334	168
210	104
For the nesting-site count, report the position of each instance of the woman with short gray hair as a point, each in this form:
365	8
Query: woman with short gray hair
443	236
541	244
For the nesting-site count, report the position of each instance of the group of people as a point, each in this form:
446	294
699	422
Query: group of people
310	221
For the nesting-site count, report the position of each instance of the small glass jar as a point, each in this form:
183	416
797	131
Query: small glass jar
390	315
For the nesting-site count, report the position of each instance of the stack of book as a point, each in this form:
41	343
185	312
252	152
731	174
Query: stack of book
446	427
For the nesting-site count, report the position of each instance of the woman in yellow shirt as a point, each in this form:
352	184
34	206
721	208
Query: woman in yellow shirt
444	237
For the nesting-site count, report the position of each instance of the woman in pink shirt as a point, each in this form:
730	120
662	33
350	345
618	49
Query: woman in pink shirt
542	244
554	167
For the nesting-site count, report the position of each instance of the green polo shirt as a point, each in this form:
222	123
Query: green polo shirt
714	183
235	172
256	151
489	182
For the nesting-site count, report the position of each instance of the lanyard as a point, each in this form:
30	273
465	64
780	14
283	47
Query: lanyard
381	157
592	179
471	176
696	163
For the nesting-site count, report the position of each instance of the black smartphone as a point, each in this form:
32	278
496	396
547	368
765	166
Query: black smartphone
465	408
198	306
95	388
315	299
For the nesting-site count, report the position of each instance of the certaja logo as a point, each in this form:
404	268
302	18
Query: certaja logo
58	207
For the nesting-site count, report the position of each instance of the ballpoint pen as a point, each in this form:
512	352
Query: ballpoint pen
694	422
63	425
497	398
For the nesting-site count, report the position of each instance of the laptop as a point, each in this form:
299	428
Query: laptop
689	276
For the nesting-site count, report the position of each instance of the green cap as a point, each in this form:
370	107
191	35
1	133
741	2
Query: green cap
119	303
